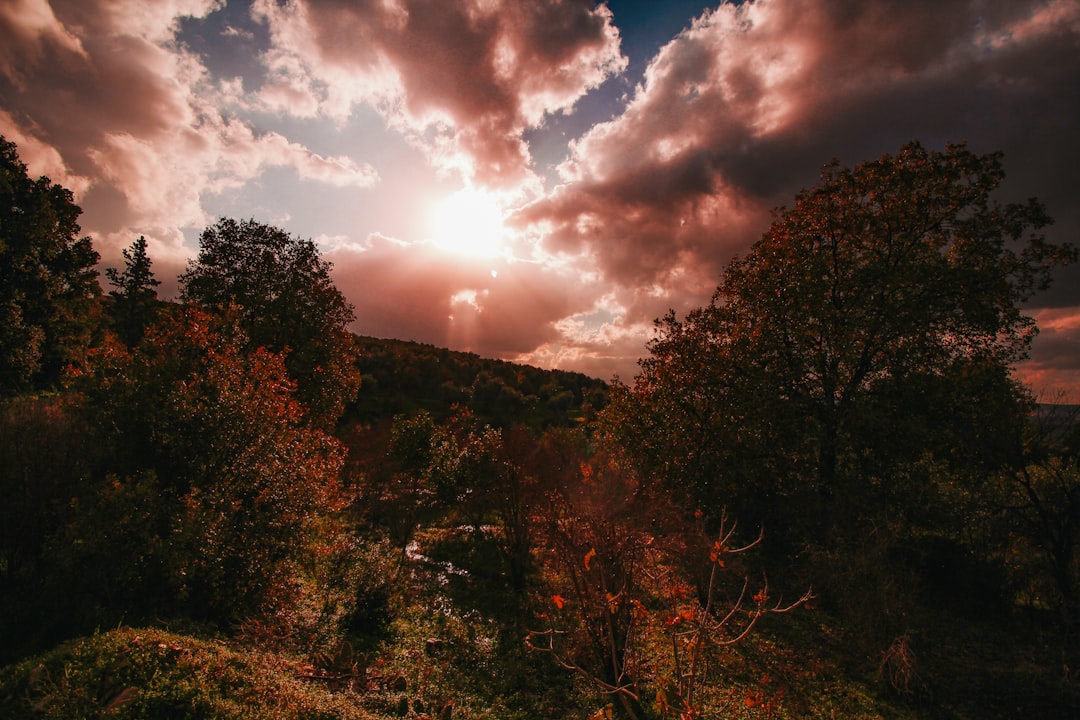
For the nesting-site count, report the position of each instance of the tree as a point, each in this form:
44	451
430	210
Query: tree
1043	501
46	455
826	362
1036	510
47	279
135	300
288	304
467	472
247	492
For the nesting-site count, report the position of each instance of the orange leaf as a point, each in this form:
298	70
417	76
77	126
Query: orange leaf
589	556
559	601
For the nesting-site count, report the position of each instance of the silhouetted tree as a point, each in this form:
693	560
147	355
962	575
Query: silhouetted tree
47	279
288	304
135	300
832	356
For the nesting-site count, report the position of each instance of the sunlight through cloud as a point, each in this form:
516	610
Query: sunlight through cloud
469	222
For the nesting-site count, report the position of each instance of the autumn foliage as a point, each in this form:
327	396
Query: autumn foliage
239	490
835	446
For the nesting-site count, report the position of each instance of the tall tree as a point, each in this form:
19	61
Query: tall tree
288	303
135	295
47	279
840	347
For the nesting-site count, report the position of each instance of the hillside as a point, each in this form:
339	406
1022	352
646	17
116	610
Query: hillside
402	377
824	495
965	656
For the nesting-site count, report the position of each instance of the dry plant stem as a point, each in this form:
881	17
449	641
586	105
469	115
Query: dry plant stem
625	693
688	647
691	671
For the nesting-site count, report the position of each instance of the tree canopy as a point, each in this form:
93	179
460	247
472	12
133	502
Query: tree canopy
288	303
47	278
205	439
854	334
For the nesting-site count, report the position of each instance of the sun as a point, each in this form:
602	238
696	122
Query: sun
469	222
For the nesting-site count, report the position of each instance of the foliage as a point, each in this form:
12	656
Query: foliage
597	554
1044	500
287	303
403	378
831	356
46	453
43	456
47	279
248	490
135	303
149	673
1035	509
639	602
464	473
107	554
850	381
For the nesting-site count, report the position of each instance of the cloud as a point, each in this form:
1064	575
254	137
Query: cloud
35	32
159	114
547	314
415	291
99	93
462	80
1054	366
41	158
741	110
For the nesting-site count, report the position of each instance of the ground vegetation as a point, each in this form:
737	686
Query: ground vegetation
825	494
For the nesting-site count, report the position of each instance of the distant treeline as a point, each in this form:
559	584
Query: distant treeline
401	377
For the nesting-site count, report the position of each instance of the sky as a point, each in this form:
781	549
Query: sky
531	180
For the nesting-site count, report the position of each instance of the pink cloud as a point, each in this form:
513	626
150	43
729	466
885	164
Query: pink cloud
100	95
36	32
41	158
462	80
739	112
414	291
1053	369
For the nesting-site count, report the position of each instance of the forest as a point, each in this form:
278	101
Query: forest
825	494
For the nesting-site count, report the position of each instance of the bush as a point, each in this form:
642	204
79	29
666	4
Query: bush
246	493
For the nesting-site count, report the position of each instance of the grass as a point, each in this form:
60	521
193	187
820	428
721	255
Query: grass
960	667
149	673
